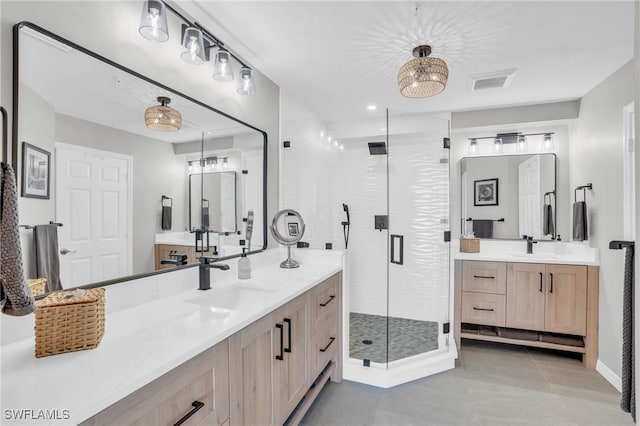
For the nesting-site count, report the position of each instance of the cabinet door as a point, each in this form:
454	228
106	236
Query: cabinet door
250	373
525	296
291	375
566	308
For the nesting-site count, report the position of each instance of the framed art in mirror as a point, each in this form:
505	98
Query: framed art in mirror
36	171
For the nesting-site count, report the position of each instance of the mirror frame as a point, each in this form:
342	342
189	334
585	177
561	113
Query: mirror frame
14	137
555	185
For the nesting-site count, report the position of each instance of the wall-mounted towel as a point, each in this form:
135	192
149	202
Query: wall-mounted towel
483	228
47	255
548	227
580	232
628	397
15	297
166	218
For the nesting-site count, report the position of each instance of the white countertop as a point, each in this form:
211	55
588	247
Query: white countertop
149	331
543	252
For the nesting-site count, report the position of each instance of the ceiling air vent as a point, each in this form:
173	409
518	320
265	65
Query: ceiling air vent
491	80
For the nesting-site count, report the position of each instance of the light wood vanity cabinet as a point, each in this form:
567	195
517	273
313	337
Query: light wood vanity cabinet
556	301
166	400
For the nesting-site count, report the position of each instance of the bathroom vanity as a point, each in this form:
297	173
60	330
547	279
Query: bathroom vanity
254	351
544	300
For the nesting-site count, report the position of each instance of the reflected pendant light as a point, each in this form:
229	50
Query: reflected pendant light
246	82
222	67
521	144
424	76
473	146
162	117
548	144
193	42
153	23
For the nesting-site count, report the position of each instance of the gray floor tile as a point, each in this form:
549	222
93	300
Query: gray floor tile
492	384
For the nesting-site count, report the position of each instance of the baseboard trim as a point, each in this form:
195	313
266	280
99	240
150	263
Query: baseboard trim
609	375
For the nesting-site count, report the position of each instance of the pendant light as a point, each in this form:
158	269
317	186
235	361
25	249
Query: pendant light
548	143
497	146
473	146
246	82
424	76
153	23
222	67
521	144
162	117
193	43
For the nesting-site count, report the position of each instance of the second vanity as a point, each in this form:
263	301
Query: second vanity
548	299
251	351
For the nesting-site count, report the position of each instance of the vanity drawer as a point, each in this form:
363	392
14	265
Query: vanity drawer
484	277
325	299
323	345
170	397
482	308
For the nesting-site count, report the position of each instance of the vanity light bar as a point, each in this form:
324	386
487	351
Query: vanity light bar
206	41
501	139
510	137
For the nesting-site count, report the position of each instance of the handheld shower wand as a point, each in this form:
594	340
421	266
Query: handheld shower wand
249	231
346	225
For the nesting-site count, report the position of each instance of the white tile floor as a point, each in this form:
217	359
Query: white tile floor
493	384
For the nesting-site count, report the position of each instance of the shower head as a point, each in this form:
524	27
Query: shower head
377	148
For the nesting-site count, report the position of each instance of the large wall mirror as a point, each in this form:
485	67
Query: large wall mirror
505	197
119	189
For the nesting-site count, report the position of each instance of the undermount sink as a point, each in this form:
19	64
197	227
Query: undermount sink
536	255
235	297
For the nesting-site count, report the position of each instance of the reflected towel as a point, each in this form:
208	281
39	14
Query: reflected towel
166	218
47	255
483	228
205	217
15	296
580	232
548	227
628	397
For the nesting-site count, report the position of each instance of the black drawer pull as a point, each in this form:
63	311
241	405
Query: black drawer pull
196	406
333	296
551	286
288	321
331	339
483	309
484	276
281	356
540	282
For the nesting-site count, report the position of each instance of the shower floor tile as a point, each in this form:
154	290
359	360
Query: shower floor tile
406	337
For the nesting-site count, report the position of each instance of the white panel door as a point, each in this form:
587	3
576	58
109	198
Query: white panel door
93	202
529	197
228	202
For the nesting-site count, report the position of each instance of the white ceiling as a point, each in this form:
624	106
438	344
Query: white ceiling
337	57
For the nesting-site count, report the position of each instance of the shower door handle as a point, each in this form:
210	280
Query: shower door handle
397	240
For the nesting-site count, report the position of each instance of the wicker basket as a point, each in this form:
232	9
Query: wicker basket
37	286
66	323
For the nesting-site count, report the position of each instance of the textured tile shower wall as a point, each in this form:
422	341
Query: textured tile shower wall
318	178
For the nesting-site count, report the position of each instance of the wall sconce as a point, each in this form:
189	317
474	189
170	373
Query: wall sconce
153	23
520	140
197	42
225	163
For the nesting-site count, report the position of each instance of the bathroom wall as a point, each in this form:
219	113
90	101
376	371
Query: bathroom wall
157	171
637	168
110	28
596	157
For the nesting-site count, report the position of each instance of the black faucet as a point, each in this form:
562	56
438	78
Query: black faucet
178	259
530	242
205	275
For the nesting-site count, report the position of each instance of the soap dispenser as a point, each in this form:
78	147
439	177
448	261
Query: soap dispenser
244	266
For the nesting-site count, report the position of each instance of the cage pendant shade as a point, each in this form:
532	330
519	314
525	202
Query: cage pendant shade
193	43
153	23
162	117
424	76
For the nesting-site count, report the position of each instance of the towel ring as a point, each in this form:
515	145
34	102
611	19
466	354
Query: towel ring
584	188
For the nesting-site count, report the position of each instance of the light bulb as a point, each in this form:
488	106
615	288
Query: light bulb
548	143
497	145
521	145
341	147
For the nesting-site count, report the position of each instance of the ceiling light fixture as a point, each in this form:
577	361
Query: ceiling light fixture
153	23
372	107
424	76
162	117
222	67
246	82
197	42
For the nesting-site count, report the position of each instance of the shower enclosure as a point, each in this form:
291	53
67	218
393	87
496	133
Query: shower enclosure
393	173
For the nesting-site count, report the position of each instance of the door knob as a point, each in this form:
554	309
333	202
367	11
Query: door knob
64	251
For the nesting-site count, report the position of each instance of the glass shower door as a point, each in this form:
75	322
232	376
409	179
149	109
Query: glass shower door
418	268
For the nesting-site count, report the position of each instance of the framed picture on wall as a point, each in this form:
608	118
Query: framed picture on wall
485	192
36	171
